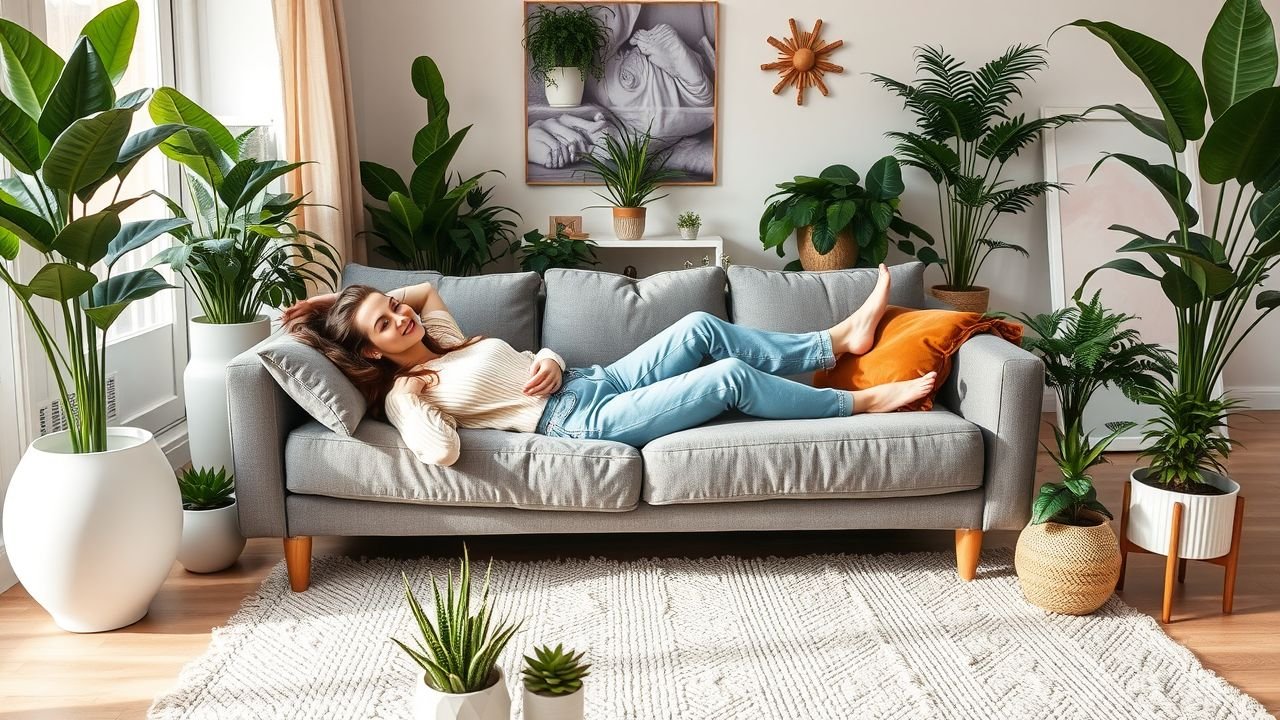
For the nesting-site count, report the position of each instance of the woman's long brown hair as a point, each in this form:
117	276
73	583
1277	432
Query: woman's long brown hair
334	333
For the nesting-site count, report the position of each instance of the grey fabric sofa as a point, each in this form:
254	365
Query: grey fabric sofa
968	465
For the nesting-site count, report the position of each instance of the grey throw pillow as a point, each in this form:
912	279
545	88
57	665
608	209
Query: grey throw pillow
806	301
316	384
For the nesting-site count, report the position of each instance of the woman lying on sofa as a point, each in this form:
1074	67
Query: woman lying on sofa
406	354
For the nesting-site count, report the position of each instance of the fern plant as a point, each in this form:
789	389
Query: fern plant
206	488
558	36
554	672
964	138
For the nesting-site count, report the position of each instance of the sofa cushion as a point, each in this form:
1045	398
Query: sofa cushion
597	317
316	384
495	469
736	458
807	301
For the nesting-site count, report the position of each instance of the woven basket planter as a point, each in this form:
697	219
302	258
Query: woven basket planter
842	257
628	223
1068	569
975	300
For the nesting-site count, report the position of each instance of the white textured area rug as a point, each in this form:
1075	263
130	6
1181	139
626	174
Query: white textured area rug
822	636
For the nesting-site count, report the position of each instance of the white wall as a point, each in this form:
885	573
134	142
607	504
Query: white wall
765	139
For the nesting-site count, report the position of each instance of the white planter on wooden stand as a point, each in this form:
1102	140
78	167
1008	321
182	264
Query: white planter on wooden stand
211	539
564	87
213	345
1207	520
548	707
92	536
491	703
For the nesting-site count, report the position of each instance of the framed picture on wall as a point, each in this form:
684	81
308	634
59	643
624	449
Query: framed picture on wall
660	74
1079	238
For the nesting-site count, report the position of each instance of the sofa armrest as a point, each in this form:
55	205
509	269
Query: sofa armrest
999	387
261	416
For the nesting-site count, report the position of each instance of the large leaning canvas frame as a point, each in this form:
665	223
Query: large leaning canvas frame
636	89
1080	241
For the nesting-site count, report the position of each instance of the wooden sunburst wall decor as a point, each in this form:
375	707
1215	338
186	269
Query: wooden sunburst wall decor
801	60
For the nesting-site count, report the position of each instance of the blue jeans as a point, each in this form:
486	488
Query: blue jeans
662	387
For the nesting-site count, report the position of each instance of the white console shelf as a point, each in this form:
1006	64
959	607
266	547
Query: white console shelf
715	243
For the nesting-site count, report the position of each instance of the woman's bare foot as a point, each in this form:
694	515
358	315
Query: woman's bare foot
891	396
857	333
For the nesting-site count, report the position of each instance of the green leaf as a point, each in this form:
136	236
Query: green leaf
82	89
85	240
429	178
133	149
170	106
1053	499
1125	265
429	85
823	237
840	175
19	138
31	228
126	288
1239	54
241	186
86	151
1172	183
137	234
380	181
405	211
881	215
431	136
840	213
134	100
1268	300
1170	79
197	150
804	211
1242	144
112	32
10	243
30	67
884	180
1181	290
1265	215
1149	126
61	282
778	231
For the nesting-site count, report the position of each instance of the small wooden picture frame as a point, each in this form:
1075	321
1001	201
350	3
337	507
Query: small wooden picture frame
572	225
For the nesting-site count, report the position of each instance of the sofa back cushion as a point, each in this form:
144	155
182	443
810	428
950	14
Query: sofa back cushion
806	301
316	384
597	317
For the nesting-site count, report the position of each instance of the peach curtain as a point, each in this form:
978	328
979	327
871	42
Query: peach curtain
319	119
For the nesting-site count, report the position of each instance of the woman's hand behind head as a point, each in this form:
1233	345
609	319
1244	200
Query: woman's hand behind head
303	310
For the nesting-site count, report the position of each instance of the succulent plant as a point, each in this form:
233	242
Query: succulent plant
554	672
206	488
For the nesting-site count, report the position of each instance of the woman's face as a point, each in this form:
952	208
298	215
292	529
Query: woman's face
391	326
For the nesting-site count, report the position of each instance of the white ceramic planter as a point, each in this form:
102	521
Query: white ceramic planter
567	90
491	703
1207	520
689	233
205	384
211	539
92	536
543	707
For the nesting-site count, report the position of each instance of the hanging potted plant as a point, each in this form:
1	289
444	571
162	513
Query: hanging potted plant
565	44
631	172
211	539
553	684
92	516
1068	558
838	223
458	653
1208	276
243	252
965	136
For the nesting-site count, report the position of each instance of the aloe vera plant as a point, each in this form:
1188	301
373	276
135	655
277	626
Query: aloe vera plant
554	671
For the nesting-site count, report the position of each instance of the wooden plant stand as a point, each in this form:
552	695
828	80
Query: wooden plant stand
1228	561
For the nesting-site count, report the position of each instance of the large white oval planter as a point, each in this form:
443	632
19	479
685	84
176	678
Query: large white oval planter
546	707
567	88
211	539
92	536
1207	520
213	345
491	703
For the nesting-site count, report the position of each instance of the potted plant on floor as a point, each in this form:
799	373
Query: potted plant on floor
964	138
92	516
242	252
631	170
1067	558
565	44
838	223
1209	276
430	223
553	684
541	252
689	222
211	539
458	653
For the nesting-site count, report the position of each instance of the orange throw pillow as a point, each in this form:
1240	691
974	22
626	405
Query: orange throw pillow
910	343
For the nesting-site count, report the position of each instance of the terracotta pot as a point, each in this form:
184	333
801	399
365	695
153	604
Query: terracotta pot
1207	520
628	222
842	257
1068	569
972	300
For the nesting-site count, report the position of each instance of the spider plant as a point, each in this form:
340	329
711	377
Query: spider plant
630	169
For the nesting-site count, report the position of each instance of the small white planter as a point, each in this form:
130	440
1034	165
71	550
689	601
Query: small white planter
543	707
689	233
211	539
567	90
491	703
92	536
205	383
1207	520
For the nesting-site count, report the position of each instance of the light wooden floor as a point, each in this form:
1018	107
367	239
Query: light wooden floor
46	673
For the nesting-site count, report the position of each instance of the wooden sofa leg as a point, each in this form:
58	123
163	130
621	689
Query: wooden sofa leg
297	558
968	551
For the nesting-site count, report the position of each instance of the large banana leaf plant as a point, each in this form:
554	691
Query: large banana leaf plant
1209	277
964	138
433	222
65	130
243	249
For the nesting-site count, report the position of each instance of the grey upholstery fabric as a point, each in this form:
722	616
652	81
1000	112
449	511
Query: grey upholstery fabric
314	383
999	387
495	469
808	301
740	459
595	318
386	279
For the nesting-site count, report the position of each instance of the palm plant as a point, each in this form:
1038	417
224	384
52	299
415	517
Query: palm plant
965	136
1209	277
206	488
630	170
554	671
65	131
1086	347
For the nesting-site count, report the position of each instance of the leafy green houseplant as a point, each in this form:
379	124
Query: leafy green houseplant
688	223
432	222
553	684
565	44
211	539
964	137
631	170
838	222
540	252
206	488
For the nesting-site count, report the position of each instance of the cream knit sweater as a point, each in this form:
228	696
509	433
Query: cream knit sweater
480	386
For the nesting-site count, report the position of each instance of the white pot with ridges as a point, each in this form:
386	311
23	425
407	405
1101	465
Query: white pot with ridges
1207	520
